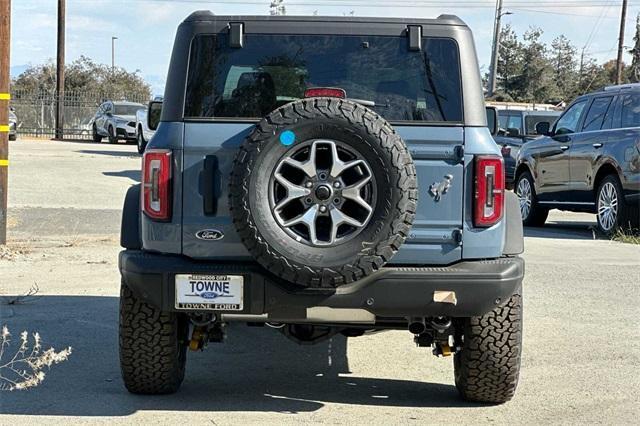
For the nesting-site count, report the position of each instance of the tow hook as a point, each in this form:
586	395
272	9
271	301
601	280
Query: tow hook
442	349
198	338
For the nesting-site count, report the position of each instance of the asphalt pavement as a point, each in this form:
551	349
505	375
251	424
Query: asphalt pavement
581	335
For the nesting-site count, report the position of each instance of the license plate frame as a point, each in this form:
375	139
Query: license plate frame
209	292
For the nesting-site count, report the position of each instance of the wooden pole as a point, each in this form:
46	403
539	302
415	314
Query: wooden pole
5	42
623	17
60	72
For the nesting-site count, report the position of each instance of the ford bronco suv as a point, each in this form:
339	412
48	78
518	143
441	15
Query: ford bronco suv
322	176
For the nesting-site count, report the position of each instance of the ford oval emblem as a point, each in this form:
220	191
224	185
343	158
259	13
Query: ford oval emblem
209	235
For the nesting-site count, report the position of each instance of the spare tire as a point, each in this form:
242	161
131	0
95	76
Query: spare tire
323	192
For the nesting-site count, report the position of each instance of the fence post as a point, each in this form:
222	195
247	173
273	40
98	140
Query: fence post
60	71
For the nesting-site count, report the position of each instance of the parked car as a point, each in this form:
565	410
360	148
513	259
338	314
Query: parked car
516	128
13	125
589	161
143	132
115	121
281	188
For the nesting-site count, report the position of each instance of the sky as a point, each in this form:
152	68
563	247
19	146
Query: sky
146	28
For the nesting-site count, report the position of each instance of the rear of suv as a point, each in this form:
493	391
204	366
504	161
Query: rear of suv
323	176
589	161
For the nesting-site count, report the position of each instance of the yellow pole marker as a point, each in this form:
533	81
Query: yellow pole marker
4	163
5	96
4	128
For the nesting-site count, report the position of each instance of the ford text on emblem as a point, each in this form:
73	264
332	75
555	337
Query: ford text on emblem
209	235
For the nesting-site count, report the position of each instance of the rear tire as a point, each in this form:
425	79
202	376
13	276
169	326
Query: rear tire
142	144
612	212
113	138
532	213
488	366
96	137
152	346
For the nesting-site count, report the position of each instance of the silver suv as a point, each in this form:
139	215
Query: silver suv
116	121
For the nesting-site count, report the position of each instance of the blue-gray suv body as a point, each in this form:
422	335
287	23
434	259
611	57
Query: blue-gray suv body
322	176
589	161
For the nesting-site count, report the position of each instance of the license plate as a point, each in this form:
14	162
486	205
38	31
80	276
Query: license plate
209	292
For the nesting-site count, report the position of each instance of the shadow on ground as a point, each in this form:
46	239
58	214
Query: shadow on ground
563	231
114	153
256	369
134	175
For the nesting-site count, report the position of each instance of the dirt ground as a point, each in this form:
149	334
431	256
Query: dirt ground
581	335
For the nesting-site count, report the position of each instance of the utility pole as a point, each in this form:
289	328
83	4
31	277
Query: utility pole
5	34
113	54
60	72
493	70
623	17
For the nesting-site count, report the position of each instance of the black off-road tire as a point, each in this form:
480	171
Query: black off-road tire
628	217
152	346
140	142
538	214
96	137
391	164
488	366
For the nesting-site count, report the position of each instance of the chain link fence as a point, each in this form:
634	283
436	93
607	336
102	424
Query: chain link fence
36	111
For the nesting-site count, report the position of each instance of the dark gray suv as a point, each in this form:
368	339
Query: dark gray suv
589	161
320	176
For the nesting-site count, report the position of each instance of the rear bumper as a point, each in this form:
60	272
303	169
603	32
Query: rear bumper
392	292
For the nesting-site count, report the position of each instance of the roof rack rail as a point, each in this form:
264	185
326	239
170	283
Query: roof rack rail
622	86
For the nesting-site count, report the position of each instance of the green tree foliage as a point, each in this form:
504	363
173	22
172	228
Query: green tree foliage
633	73
85	75
531	71
565	73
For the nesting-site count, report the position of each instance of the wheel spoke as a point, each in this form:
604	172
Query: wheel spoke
308	166
337	165
307	218
339	218
353	193
293	191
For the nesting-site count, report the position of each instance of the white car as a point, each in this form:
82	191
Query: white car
116	121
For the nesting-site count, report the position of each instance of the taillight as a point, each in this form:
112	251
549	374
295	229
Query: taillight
506	150
156	183
489	191
325	92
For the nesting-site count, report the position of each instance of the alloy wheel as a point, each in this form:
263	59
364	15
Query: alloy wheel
524	193
322	193
608	206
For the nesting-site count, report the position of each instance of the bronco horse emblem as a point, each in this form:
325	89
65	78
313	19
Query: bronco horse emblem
438	189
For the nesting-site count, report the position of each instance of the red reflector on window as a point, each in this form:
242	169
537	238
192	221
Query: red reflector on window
489	190
325	92
156	184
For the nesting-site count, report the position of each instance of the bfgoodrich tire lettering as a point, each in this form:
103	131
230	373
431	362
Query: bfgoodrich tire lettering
488	366
152	346
363	131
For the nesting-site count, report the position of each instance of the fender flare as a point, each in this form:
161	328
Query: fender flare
514	233
130	237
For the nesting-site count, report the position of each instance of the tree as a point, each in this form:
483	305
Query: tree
633	73
563	59
536	80
277	8
510	62
85	75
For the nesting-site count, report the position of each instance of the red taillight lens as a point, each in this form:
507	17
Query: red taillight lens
156	183
325	92
506	150
489	193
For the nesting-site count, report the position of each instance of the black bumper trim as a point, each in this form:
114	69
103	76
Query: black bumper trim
391	292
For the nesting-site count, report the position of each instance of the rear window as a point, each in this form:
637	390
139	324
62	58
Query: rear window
531	121
272	70
630	111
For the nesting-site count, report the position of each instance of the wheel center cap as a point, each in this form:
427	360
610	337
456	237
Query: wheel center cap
323	192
